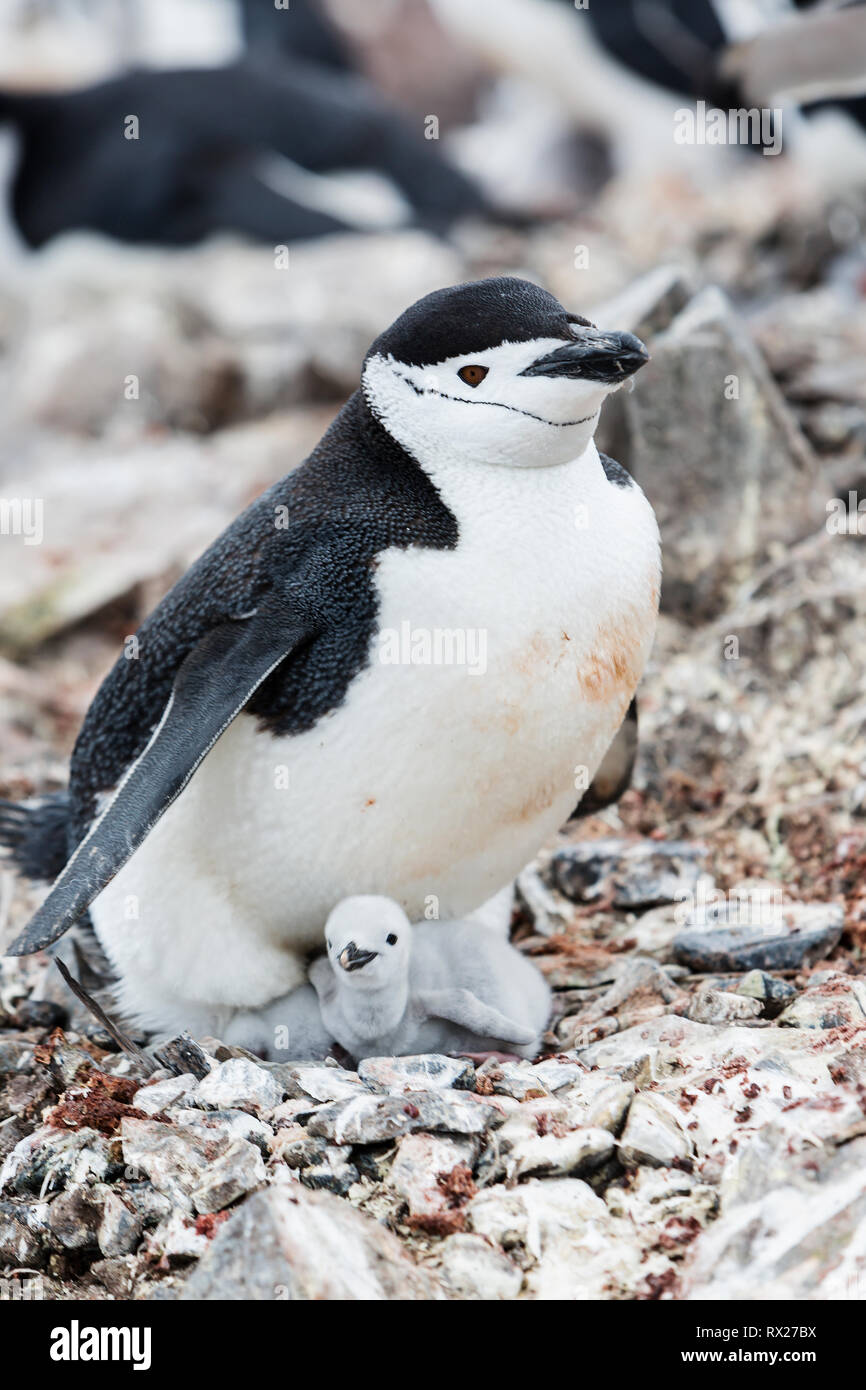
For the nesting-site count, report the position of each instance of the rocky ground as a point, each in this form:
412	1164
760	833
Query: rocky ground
696	1126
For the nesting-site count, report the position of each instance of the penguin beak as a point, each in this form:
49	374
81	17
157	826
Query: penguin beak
353	958
593	356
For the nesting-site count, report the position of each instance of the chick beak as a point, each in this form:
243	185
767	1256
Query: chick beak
353	958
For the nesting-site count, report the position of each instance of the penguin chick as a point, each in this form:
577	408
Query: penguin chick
289	1029
390	989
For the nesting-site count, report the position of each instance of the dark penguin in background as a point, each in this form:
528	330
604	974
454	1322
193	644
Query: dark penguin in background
195	168
299	30
386	677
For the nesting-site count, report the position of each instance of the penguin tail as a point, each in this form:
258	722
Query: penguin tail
34	837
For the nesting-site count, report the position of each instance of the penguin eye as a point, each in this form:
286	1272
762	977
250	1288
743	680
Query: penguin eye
474	375
391	939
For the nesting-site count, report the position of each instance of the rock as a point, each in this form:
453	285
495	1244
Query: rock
472	1268
120	1228
519	1080
424	1173
15	1057
573	1246
423	1073
556	1072
225	1124
238	1084
371	1119
757	984
632	874
74	1217
812	934
49	1159
66	1063
550	913
329	1083
116	1275
40	1013
175	1159
659	1196
148	1205
837	1002
641	988
296	1147
653	1134
178	1237
154	1098
182	1055
290	1243
793	1230
24	1239
332	1172
738	440
26	1095
553	1155
238	1170
716	1006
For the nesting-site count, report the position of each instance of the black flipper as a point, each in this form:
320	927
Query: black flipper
615	770
211	688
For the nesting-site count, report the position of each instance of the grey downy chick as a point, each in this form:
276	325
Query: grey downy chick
289	1029
388	988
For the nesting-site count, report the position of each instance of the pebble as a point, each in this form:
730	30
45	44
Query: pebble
238	1084
653	1134
75	1215
834	1003
372	1119
421	1161
815	931
333	1172
631	873
120	1228
238	1170
225	1124
49	1159
289	1243
717	1006
426	1072
577	1153
329	1083
22	1234
175	1159
473	1268
154	1098
757	984
183	1054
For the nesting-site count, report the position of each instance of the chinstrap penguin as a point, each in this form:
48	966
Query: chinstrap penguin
390	989
265	756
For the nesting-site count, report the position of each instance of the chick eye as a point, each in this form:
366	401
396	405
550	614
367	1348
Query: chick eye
391	939
474	375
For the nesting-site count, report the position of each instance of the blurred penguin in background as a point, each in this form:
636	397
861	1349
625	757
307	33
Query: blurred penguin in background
170	155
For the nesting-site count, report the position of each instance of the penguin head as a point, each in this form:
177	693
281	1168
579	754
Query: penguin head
368	942
495	372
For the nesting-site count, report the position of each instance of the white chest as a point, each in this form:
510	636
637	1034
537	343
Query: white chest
456	753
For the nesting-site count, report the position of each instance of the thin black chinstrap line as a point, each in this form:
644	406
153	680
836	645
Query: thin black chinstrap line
501	405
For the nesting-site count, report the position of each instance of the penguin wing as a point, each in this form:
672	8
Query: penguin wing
212	686
464	1008
321	977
